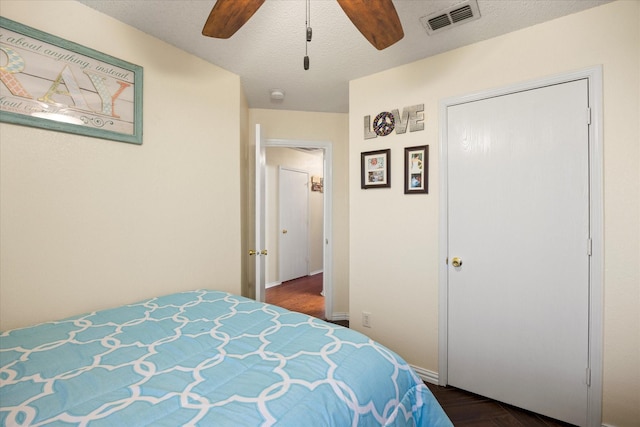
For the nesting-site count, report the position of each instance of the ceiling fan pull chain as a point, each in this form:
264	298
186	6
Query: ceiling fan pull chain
309	32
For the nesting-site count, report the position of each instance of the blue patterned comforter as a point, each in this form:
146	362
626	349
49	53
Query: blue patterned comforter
205	358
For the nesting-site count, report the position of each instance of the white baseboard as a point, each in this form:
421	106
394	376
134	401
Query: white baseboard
339	316
272	284
426	375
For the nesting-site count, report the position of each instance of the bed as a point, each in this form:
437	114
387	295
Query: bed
205	358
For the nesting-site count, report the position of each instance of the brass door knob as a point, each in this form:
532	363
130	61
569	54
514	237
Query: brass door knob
285	231
456	262
252	252
264	252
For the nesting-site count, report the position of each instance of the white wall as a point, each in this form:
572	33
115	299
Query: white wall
333	127
394	238
87	223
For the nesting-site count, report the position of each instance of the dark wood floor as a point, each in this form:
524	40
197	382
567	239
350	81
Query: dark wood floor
464	409
467	409
302	295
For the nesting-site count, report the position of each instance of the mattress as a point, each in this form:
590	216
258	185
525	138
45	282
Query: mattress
205	358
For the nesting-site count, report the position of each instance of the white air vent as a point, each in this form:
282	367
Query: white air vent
457	14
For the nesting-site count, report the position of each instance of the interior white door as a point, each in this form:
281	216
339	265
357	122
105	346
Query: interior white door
259	251
518	218
294	223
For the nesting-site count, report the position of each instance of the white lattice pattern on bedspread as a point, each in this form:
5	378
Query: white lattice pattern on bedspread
205	358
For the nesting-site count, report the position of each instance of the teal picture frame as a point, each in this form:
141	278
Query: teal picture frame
51	83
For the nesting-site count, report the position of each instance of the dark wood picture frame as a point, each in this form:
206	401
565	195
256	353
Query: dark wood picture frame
416	170
375	169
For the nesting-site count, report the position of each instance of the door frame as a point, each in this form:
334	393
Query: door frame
596	261
281	259
327	252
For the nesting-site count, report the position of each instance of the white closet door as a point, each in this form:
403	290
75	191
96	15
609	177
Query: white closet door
519	223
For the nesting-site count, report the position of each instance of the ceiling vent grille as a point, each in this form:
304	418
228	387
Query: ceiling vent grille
458	14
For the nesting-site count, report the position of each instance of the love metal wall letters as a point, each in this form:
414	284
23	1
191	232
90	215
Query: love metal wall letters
386	122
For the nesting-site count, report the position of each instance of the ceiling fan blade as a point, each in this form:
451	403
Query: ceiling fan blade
227	16
377	20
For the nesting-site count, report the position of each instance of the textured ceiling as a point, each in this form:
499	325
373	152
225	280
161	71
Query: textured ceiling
268	51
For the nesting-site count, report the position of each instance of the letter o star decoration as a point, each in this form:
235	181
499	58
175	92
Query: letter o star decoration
384	123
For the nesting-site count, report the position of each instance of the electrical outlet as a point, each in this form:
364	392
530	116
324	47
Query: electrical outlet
366	319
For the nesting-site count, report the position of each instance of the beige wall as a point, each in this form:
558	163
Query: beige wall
329	127
399	234
311	163
87	223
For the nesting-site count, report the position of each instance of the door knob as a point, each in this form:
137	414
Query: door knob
284	231
456	262
254	252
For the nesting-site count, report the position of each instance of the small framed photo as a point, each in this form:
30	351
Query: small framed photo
317	184
375	169
416	170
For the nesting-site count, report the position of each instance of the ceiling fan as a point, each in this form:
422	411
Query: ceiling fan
377	20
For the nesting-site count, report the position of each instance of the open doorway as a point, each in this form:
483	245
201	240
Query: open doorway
311	291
